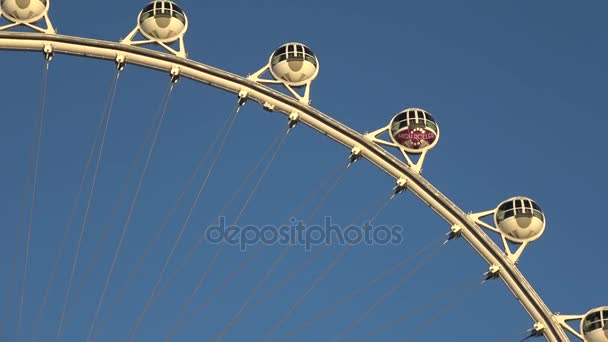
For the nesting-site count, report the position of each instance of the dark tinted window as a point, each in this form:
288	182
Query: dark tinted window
412	114
148	8
506	206
280	50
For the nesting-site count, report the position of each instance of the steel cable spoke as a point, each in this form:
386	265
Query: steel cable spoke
278	143
307	262
68	226
38	145
236	318
322	275
201	240
164	106
20	224
402	281
180	234
123	193
351	295
83	226
450	305
467	285
214	294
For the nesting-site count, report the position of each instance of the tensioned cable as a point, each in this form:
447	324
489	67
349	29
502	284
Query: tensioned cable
289	276
346	298
228	279
467	285
323	275
228	203
165	222
201	240
304	201
38	145
520	336
164	106
71	217
106	230
278	144
402	281
185	224
445	309
236	318
21	222
108	114
100	243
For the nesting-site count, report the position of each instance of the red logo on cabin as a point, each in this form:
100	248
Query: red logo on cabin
415	137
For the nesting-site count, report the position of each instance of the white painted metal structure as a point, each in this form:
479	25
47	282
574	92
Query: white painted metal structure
408	177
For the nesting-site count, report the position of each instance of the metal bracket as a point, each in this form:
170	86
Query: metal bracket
257	77
175	73
48	52
243	96
269	107
401	186
454	233
121	62
294	118
493	273
415	166
563	319
355	154
538	329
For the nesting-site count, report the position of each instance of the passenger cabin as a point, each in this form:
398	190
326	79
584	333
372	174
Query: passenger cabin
415	129
520	218
163	20
595	325
294	63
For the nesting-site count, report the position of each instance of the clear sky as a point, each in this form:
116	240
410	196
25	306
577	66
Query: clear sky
518	89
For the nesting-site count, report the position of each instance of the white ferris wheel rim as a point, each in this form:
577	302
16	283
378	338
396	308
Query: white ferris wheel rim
341	133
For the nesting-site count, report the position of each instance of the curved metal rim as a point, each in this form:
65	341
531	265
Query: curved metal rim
323	123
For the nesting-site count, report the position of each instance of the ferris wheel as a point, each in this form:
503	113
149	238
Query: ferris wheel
284	85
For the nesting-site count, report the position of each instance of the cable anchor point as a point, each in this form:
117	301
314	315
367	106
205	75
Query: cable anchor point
400	187
294	118
537	330
121	62
355	154
243	97
48	52
454	233
269	107
175	73
493	273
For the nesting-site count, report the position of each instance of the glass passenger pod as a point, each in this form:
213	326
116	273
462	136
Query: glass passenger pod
594	325
24	11
415	130
520	219
163	21
294	63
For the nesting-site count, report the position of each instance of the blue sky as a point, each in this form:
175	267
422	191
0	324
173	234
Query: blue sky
517	89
